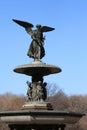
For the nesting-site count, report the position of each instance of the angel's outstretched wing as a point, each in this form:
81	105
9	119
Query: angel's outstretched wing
23	23
26	25
47	29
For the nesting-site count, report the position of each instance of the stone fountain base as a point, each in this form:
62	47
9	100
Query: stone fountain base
38	119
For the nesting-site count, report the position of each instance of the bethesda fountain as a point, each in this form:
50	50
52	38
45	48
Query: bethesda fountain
36	113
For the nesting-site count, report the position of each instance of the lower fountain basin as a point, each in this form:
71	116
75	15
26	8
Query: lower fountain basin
43	117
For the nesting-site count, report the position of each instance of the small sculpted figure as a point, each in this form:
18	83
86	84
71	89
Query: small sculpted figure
29	91
44	91
39	91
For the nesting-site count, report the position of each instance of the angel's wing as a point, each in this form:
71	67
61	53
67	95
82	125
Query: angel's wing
26	25
47	29
23	23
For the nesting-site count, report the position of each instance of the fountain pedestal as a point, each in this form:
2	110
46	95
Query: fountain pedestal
37	92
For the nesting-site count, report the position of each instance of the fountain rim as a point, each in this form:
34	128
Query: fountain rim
35	68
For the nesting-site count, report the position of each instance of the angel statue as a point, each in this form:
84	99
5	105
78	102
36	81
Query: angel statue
36	49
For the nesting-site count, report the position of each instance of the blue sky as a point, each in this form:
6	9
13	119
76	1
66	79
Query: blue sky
65	47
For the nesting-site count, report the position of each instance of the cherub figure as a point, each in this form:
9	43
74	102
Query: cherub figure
29	91
36	49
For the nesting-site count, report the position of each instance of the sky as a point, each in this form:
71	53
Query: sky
66	46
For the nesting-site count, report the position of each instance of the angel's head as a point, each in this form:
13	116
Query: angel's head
38	26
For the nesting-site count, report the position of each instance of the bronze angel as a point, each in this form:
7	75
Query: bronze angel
36	49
